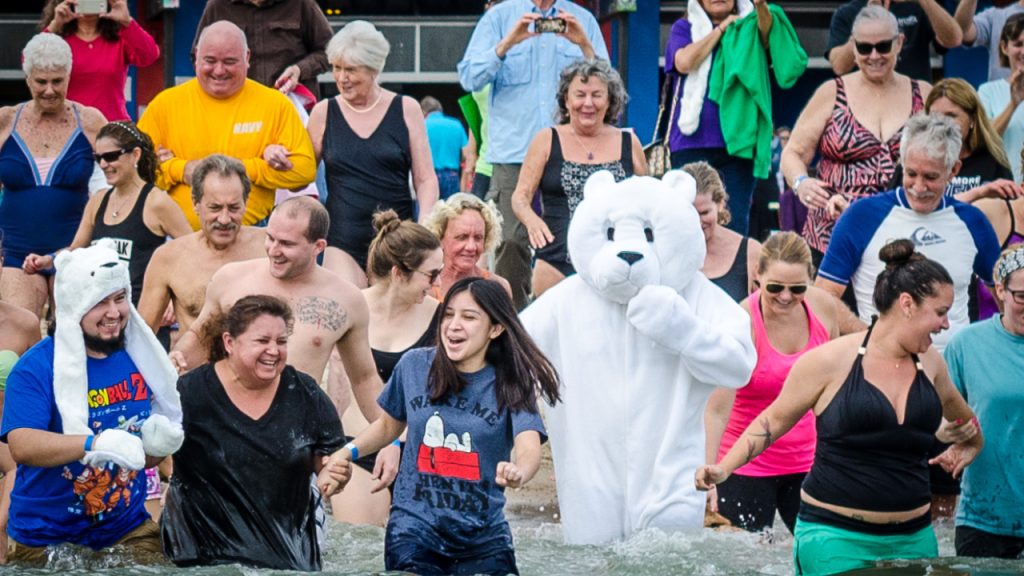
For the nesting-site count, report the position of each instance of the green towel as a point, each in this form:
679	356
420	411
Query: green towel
739	84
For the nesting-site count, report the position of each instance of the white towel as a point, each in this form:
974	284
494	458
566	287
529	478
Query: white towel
696	85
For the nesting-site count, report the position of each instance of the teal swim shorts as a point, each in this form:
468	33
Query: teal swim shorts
819	549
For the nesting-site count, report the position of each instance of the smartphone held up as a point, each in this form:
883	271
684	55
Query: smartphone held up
91	7
555	25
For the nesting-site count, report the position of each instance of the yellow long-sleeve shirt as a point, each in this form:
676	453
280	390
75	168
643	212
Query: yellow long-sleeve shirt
193	125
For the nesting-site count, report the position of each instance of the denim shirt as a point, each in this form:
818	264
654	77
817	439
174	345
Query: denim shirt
523	84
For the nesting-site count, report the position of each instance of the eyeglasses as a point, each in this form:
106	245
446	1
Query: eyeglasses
1018	295
109	157
777	288
433	274
883	47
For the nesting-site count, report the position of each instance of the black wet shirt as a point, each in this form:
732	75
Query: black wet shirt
241	487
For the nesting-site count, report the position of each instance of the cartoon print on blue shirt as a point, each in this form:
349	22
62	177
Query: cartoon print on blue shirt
446	456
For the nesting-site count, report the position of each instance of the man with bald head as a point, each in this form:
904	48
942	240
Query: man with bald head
221	112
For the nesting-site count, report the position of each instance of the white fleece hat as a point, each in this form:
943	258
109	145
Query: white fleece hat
84	278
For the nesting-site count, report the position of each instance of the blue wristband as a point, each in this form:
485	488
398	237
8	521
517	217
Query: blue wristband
398	442
355	451
88	443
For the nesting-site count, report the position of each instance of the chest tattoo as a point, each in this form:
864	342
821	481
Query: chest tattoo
320	312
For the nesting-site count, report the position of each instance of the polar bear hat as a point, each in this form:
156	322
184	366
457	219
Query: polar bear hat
638	232
84	278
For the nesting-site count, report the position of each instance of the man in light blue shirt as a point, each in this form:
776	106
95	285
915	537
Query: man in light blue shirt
522	66
447	138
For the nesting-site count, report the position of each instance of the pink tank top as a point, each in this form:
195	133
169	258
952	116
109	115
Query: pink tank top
793	453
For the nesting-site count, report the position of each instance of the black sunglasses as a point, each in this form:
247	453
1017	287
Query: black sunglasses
777	288
883	47
109	157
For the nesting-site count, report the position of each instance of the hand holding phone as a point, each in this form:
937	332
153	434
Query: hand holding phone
88	7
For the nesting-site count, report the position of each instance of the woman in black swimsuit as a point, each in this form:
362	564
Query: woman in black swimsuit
404	265
880	399
591	96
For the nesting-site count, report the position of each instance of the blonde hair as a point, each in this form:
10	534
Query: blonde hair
787	247
1001	277
984	136
709	182
456	204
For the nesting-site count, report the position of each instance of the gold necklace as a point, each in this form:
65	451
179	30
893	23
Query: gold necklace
118	209
364	110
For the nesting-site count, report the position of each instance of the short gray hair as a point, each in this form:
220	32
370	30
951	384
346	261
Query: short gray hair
223	166
429	104
359	43
46	52
936	135
873	13
585	68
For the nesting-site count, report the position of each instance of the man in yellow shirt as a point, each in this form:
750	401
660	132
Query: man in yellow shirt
221	112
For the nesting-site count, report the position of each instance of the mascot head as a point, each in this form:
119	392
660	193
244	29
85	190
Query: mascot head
84	278
638	232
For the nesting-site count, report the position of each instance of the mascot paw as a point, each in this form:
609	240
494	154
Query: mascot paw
117	447
161	437
661	314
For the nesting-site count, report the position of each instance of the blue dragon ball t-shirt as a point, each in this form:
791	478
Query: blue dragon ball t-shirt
75	503
445	494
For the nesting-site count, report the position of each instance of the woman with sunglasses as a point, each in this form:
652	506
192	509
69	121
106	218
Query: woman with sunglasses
731	258
133	212
405	261
467	403
880	399
855	123
789	317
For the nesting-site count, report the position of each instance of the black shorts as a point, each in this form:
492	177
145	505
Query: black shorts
981	544
750	502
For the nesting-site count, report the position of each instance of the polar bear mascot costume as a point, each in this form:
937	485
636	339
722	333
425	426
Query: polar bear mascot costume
640	339
84	278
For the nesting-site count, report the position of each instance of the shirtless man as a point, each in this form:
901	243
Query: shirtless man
330	313
181	269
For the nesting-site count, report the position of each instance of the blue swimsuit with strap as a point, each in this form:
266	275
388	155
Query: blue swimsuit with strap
37	216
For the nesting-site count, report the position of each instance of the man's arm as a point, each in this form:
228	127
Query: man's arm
354	349
840	42
292	136
965	19
947	32
848	321
42	449
156	292
318	34
487	48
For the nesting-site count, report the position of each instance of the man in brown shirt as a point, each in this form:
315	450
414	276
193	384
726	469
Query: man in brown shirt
287	39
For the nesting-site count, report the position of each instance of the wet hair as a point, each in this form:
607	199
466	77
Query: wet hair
788	247
238	319
585	68
709	181
873	13
361	44
906	272
223	166
429	104
456	204
108	28
128	136
1011	31
983	138
46	53
398	244
936	135
318	221
521	369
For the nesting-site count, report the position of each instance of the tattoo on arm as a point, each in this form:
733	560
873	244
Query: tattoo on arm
751	450
767	434
320	312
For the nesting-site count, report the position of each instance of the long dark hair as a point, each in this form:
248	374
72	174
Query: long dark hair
238	319
521	369
128	136
108	29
